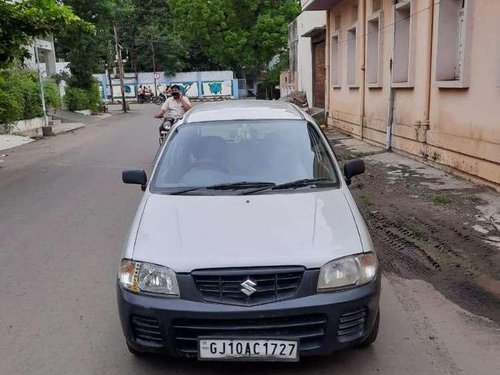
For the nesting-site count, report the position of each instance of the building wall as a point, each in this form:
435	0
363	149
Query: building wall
299	77
454	123
286	84
466	121
293	41
345	109
306	21
46	53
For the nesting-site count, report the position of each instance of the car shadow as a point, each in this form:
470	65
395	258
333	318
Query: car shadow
339	361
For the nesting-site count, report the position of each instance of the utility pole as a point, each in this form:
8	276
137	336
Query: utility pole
40	81
109	70
154	63
120	68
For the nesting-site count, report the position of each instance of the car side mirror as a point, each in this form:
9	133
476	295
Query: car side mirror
353	168
135	176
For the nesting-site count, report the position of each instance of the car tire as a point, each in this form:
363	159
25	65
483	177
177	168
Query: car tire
370	339
134	351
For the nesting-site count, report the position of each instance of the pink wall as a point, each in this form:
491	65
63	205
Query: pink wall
464	123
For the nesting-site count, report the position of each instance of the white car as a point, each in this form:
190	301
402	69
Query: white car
247	244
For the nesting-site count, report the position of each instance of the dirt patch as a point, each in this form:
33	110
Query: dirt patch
421	233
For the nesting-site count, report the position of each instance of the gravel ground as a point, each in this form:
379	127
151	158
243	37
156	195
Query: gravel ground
431	226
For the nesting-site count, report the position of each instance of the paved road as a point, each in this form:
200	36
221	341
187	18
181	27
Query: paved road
63	216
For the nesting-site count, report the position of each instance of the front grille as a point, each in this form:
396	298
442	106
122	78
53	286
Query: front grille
272	284
146	329
352	325
309	329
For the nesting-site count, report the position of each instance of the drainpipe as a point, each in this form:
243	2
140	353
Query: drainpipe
390	113
392	92
425	123
327	66
363	67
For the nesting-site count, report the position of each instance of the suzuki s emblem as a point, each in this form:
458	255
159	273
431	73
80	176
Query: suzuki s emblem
248	287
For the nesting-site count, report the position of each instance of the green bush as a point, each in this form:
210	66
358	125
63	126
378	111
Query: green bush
21	96
23	85
52	97
11	110
94	98
78	99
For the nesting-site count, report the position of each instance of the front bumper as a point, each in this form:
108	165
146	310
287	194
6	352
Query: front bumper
323	322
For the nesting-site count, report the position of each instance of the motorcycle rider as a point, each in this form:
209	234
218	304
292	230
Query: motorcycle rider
142	96
174	107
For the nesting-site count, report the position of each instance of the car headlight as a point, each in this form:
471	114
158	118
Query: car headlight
349	271
149	278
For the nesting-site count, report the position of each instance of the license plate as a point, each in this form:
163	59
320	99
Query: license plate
261	349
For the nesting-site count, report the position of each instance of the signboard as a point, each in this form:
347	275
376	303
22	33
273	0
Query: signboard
157	75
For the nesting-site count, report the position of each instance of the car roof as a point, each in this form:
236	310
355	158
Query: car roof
243	110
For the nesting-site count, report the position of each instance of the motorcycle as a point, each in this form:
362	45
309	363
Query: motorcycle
162	98
165	127
155	99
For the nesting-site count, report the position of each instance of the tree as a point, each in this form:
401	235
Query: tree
86	52
147	31
243	35
21	22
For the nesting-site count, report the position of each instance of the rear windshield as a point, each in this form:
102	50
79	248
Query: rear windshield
204	154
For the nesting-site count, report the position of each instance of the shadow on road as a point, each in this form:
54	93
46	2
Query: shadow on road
342	360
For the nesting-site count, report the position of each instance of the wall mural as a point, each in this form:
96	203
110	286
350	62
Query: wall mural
130	91
190	89
128	86
217	88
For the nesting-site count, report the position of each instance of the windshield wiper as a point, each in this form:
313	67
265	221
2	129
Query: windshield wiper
228	186
295	184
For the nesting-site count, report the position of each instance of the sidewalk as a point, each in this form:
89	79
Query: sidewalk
8	141
63	122
428	224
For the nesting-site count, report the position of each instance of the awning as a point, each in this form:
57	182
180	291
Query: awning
314	32
320	4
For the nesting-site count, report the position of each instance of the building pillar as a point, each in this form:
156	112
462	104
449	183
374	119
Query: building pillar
50	57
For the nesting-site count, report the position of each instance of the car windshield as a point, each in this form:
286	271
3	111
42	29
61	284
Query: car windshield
243	155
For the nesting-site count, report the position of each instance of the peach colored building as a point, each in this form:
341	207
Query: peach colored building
421	77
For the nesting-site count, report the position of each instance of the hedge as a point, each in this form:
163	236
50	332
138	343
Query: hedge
52	97
78	99
11	110
20	96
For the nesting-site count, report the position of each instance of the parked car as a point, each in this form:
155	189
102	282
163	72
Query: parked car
247	244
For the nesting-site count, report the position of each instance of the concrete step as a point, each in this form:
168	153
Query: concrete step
55	122
68	116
